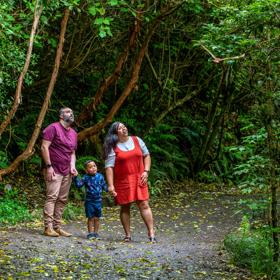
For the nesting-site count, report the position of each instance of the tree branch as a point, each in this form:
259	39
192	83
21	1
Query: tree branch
18	96
218	60
87	111
30	147
132	82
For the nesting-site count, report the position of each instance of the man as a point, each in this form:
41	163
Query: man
58	152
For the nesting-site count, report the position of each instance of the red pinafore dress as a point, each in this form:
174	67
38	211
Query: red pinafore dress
127	175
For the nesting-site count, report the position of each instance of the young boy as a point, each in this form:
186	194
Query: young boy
94	183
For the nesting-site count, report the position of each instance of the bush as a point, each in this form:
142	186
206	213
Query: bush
13	209
73	212
252	249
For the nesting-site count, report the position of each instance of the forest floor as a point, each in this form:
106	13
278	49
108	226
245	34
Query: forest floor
190	230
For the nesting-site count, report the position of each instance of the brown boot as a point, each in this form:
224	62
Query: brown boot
62	232
50	232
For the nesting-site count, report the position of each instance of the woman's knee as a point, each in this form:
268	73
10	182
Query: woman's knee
125	207
143	205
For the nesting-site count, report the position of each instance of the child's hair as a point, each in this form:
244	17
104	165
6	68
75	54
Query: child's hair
87	162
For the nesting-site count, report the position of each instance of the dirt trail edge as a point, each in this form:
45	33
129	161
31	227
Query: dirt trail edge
190	230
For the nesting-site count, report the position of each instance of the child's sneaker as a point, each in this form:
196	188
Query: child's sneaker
91	235
97	236
152	239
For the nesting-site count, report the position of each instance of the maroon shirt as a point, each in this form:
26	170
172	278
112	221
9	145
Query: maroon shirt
63	143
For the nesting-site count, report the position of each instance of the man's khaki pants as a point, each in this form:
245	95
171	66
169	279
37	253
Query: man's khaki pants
57	192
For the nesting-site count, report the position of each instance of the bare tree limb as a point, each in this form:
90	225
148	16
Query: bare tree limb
84	134
18	96
87	111
218	60
153	69
178	103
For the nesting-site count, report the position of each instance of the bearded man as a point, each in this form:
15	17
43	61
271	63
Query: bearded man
58	152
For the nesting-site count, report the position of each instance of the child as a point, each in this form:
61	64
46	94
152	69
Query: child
94	183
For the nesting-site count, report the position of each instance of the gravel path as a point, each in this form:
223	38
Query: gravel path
190	229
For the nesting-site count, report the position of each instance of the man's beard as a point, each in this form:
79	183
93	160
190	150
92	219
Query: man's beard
69	120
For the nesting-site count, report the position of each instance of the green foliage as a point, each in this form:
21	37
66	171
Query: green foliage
231	35
72	211
168	158
13	209
252	170
252	249
3	160
208	176
250	166
99	10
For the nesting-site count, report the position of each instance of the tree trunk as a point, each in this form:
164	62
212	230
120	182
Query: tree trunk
210	125
214	122
30	147
18	96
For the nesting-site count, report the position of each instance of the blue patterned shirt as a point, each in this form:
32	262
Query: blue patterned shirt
94	185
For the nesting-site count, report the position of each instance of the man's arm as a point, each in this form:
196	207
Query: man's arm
45	151
46	158
73	164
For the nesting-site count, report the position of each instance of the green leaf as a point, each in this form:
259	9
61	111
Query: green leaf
107	21
108	30
98	21
113	2
102	34
92	11
101	11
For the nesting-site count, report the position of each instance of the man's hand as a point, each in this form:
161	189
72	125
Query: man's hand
74	171
50	174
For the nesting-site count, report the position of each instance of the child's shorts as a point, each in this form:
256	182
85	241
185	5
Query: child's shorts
93	209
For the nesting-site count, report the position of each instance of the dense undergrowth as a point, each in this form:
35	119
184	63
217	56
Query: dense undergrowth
13	209
251	248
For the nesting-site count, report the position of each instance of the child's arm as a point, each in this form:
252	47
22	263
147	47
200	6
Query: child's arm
78	181
103	183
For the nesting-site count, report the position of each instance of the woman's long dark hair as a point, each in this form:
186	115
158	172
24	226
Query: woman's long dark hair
111	139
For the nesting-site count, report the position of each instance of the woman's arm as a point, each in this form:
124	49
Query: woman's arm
147	167
147	163
110	179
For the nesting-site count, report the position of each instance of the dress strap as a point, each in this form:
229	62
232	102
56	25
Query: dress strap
136	142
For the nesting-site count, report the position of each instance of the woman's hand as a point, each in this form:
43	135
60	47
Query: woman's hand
144	178
111	190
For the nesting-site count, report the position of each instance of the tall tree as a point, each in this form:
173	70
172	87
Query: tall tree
30	147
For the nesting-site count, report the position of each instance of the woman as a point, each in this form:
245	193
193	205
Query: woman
127	163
